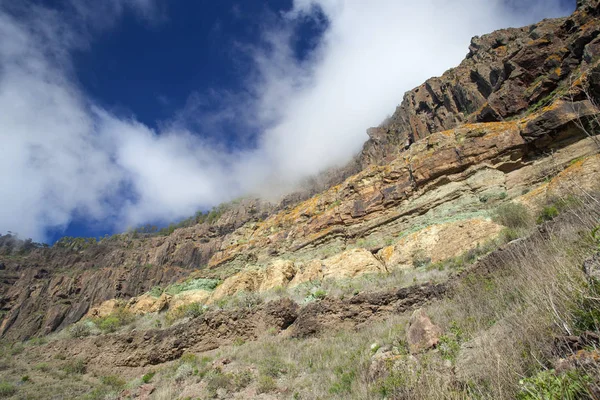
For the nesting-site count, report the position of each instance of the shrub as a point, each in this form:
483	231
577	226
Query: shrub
44	367
75	367
183	371
109	324
548	213
343	383
265	384
148	377
17	348
193	284
192	310
512	215
420	259
570	385
508	235
114	321
242	379
7	389
247	300
273	367
188	358
587	314
113	381
79	330
216	380
156	291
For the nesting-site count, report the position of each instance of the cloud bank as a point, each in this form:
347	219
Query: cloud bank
63	156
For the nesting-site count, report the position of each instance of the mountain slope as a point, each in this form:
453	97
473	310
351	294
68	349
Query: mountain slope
497	128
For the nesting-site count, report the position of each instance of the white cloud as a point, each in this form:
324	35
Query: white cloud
62	155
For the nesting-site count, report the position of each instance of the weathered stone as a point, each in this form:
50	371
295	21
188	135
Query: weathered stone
422	334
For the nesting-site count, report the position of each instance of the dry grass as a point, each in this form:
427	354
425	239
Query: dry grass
500	322
500	326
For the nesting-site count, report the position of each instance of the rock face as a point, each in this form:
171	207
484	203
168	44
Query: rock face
422	334
504	74
506	124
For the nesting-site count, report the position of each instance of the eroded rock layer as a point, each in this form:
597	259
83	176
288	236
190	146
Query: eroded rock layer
511	123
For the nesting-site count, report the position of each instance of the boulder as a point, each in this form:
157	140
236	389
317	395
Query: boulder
422	334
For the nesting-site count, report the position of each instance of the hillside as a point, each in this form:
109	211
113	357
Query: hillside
446	261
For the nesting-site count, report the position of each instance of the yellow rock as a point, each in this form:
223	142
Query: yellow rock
438	242
104	309
189	297
306	272
279	273
351	263
148	304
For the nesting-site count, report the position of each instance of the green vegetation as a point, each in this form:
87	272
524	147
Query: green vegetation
512	215
570	385
113	382
75	243
266	384
548	213
193	284
192	310
343	383
7	389
80	329
148	377
110	323
76	366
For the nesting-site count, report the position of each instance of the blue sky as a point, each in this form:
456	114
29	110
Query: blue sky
126	112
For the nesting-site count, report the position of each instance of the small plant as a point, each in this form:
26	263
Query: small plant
193	284
273	367
148	377
120	317
571	385
343	383
249	300
596	236
266	384
113	382
79	330
156	291
512	215
44	367
7	389
183	371
508	235
192	310
25	378
420	259
216	380
76	366
188	358
241	380
587	314
17	348
548	213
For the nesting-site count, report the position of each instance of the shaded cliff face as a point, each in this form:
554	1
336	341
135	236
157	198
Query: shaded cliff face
494	129
503	75
50	288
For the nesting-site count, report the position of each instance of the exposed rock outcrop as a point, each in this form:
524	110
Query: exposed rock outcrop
504	125
504	74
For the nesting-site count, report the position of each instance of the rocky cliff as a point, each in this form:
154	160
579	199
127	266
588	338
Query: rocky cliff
511	122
